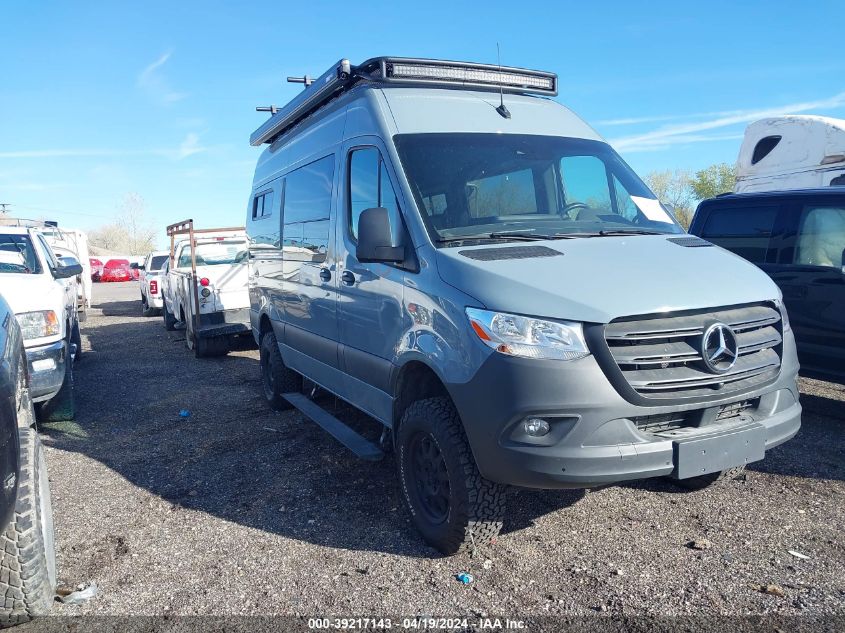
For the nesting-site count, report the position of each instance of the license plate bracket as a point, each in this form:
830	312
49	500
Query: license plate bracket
703	454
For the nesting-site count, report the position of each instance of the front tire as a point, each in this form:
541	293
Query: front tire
28	563
62	406
76	339
453	506
276	378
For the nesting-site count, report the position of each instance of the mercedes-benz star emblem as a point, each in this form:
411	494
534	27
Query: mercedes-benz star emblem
719	348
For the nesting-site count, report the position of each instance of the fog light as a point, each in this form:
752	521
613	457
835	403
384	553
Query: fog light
536	427
44	364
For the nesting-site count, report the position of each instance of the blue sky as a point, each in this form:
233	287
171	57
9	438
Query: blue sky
98	99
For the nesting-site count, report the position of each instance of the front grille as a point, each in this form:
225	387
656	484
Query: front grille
662	422
734	409
660	356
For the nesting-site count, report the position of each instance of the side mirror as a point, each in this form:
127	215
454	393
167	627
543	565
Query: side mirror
71	270
375	241
135	266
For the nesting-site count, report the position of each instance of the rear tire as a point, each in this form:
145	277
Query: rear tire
169	319
62	406
28	563
146	310
210	347
276	378
453	506
711	479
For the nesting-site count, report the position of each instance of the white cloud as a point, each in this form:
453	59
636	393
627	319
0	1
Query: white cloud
662	118
62	153
669	135
191	145
152	81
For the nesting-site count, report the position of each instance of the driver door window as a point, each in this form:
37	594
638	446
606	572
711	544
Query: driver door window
369	187
47	253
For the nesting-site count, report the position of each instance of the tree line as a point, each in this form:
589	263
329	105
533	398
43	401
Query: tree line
682	189
130	233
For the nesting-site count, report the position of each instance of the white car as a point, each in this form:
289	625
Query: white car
43	295
150	275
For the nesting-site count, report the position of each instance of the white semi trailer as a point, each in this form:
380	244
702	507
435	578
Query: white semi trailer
791	152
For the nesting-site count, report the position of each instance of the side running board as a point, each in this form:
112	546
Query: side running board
352	440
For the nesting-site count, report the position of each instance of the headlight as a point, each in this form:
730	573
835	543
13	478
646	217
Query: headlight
528	337
38	324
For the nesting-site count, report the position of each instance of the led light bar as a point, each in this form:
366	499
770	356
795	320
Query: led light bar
473	75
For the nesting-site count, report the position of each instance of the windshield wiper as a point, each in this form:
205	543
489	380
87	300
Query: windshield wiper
608	233
519	236
630	232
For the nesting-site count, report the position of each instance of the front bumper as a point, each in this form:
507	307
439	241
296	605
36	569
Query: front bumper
47	365
593	440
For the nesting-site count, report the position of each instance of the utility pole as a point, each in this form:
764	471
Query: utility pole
4	207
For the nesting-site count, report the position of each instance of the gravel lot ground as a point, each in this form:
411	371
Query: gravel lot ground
240	510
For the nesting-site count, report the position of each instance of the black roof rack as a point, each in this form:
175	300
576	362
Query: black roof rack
402	70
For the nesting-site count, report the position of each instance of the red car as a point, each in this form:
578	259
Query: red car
116	270
96	268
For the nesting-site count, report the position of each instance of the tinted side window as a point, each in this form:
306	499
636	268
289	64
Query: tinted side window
743	230
307	211
262	205
369	186
157	262
308	192
821	236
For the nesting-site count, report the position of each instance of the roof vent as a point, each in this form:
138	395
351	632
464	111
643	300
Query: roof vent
510	252
689	241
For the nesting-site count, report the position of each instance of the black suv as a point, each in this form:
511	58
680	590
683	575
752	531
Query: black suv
27	551
798	238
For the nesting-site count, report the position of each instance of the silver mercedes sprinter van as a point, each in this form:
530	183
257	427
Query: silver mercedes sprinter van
443	246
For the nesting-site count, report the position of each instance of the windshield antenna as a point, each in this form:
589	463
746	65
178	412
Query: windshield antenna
502	108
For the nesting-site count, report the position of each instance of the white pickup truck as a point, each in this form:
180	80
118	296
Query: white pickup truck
42	292
150	273
208	270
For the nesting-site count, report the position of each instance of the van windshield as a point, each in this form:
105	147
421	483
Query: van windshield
17	255
496	186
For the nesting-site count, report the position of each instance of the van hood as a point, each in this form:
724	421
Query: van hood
599	279
28	293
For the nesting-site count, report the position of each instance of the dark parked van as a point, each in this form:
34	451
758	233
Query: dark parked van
798	238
